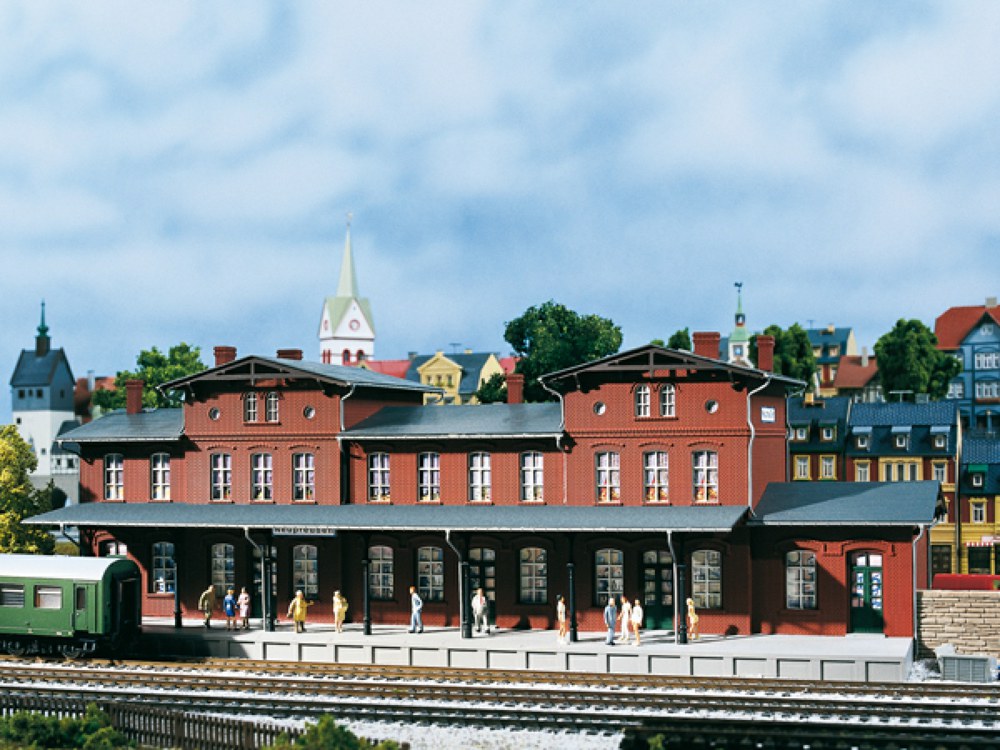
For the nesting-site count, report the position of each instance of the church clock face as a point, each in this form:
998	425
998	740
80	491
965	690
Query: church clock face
355	325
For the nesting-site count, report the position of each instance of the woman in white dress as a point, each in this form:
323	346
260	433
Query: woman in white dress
625	614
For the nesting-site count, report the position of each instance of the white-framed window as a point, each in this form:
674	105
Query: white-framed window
430	574
608	476
827	434
940	441
956	389
271	407
978	512
800	434
987	360
802	467
261	477
159	476
986	329
656	476
164	569
221	476
827	467
939	471
378	478
642	401
705	466
800	580
977	479
429	477
862	471
668	400
862	442
305	570
609	575
532	477
479	477
534	571
706	579
223	568
901	471
250	407
303	476
987	389
380	573
114	477
901	440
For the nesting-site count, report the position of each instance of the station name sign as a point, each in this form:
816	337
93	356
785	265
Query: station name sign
304	531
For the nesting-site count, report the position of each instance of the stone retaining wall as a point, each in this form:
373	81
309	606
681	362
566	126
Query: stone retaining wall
969	620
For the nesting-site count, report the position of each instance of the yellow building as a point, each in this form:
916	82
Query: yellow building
459	375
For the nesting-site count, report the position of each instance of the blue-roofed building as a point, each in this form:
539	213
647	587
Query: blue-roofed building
41	391
978	531
972	335
829	344
817	435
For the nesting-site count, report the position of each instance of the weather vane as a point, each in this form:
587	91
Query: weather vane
739	286
349	217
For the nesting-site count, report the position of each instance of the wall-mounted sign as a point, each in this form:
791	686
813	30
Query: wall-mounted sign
767	414
304	531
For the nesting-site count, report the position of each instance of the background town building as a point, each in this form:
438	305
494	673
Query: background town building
972	334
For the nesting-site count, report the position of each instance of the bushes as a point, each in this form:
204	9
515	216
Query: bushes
92	731
326	734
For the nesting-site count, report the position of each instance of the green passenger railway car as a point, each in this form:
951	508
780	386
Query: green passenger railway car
68	605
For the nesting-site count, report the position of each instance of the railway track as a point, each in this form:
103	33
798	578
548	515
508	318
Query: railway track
637	705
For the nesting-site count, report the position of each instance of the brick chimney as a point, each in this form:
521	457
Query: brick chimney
133	396
706	344
765	353
224	355
289	354
515	388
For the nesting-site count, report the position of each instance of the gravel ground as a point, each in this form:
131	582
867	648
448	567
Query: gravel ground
449	738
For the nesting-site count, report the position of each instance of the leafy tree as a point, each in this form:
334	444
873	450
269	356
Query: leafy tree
493	390
19	499
552	337
681	340
155	368
909	360
793	353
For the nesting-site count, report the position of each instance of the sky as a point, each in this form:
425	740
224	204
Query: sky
182	171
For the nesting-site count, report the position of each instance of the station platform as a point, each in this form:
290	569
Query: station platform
860	658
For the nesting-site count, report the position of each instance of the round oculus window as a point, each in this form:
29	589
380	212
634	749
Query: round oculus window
599	408
214	414
711	406
309	412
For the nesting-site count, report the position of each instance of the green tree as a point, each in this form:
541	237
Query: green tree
552	337
909	360
493	390
19	499
155	368
327	734
793	353
681	339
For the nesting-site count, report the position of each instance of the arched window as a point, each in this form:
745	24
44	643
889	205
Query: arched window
222	476
164	571
271	407
114	486
668	400
430	573
800	580
250	407
534	575
608	477
642	401
483	571
360	355
706	476
305	570
380	573
346	356
609	574
532	477
223	568
378	478
159	476
706	579
303	476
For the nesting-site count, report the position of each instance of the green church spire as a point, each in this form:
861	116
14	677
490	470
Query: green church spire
348	284
43	330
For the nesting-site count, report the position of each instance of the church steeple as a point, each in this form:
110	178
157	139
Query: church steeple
739	339
346	329
42	341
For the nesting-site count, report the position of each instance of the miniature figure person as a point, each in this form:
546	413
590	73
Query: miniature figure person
610	618
636	619
243	600
297	611
339	611
206	603
692	619
229	608
625	615
416	607
561	618
479	611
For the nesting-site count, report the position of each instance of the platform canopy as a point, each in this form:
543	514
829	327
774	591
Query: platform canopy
322	519
849	504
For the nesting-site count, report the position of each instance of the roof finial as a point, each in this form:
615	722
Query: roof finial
43	329
349	217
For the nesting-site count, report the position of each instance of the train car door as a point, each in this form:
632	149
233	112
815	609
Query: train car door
867	615
84	608
657	586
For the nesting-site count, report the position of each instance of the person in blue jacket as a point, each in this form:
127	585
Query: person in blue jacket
610	618
229	608
416	606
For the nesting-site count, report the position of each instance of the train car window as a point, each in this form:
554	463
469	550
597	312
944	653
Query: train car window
11	595
48	597
81	597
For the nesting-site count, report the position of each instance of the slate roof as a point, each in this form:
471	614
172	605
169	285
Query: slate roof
883	420
824	338
718	518
954	324
471	364
848	504
891	414
824	412
32	371
118	426
978	452
484	420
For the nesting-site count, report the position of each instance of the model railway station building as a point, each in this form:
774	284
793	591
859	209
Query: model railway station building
658	474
